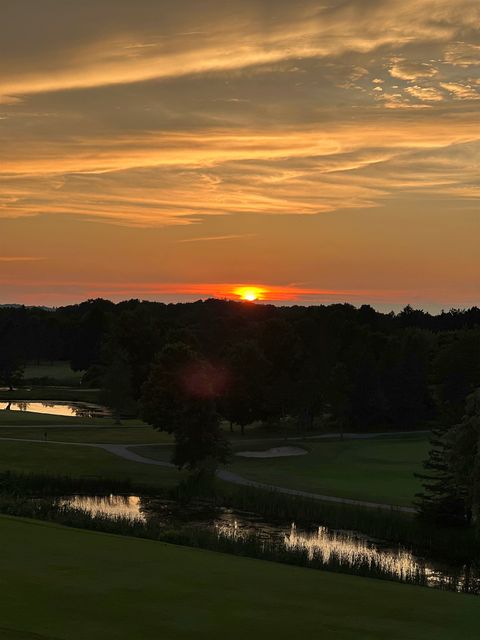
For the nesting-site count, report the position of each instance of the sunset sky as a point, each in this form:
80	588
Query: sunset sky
321	151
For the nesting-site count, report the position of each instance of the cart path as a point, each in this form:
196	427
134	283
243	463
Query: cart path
123	451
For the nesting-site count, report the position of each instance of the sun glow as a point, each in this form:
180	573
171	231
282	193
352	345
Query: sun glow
249	294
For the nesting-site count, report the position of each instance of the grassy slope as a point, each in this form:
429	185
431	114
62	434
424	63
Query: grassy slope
79	461
77	584
380	470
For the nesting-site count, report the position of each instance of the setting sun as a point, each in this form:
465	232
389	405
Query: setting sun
249	294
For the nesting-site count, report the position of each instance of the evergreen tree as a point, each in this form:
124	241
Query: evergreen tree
466	455
443	499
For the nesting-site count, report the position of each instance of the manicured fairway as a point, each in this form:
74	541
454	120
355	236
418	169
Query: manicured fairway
108	434
379	470
59	370
80	461
64	584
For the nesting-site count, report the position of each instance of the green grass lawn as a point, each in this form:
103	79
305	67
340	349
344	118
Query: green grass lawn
80	461
377	470
380	470
59	371
51	392
67	584
109	434
162	453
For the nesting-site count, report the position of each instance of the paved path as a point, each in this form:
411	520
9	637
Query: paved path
123	451
364	436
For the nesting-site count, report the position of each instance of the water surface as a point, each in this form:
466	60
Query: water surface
320	545
67	409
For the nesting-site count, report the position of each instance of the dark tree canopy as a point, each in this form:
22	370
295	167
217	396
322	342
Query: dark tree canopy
335	366
179	396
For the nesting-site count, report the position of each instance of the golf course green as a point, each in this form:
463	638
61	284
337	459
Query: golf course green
379	469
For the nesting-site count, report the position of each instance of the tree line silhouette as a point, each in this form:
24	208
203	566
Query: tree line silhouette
183	367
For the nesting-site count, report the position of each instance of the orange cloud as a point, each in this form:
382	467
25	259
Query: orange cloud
233	118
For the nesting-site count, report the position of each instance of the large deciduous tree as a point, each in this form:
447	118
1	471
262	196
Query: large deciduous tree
179	397
457	372
244	401
11	353
117	392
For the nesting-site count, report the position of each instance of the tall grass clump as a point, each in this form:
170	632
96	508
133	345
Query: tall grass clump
38	484
453	543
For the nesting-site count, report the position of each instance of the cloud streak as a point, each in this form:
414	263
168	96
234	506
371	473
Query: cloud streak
20	259
147	117
233	236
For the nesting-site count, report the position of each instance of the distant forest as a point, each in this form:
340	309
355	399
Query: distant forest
184	368
361	368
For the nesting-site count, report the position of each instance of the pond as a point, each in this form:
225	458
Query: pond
348	550
67	409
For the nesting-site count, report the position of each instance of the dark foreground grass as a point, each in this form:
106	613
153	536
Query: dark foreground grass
64	584
204	537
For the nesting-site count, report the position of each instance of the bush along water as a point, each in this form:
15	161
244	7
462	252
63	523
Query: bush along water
37	485
401	568
455	544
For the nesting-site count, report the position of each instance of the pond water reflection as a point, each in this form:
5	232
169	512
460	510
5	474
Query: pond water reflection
67	409
321	546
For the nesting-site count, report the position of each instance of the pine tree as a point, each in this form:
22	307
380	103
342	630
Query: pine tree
444	498
466	455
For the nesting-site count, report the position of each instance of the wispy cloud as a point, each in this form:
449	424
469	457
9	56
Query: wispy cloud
123	47
233	236
461	91
20	259
225	117
199	135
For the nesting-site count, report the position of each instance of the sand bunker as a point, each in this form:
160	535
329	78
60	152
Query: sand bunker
276	452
